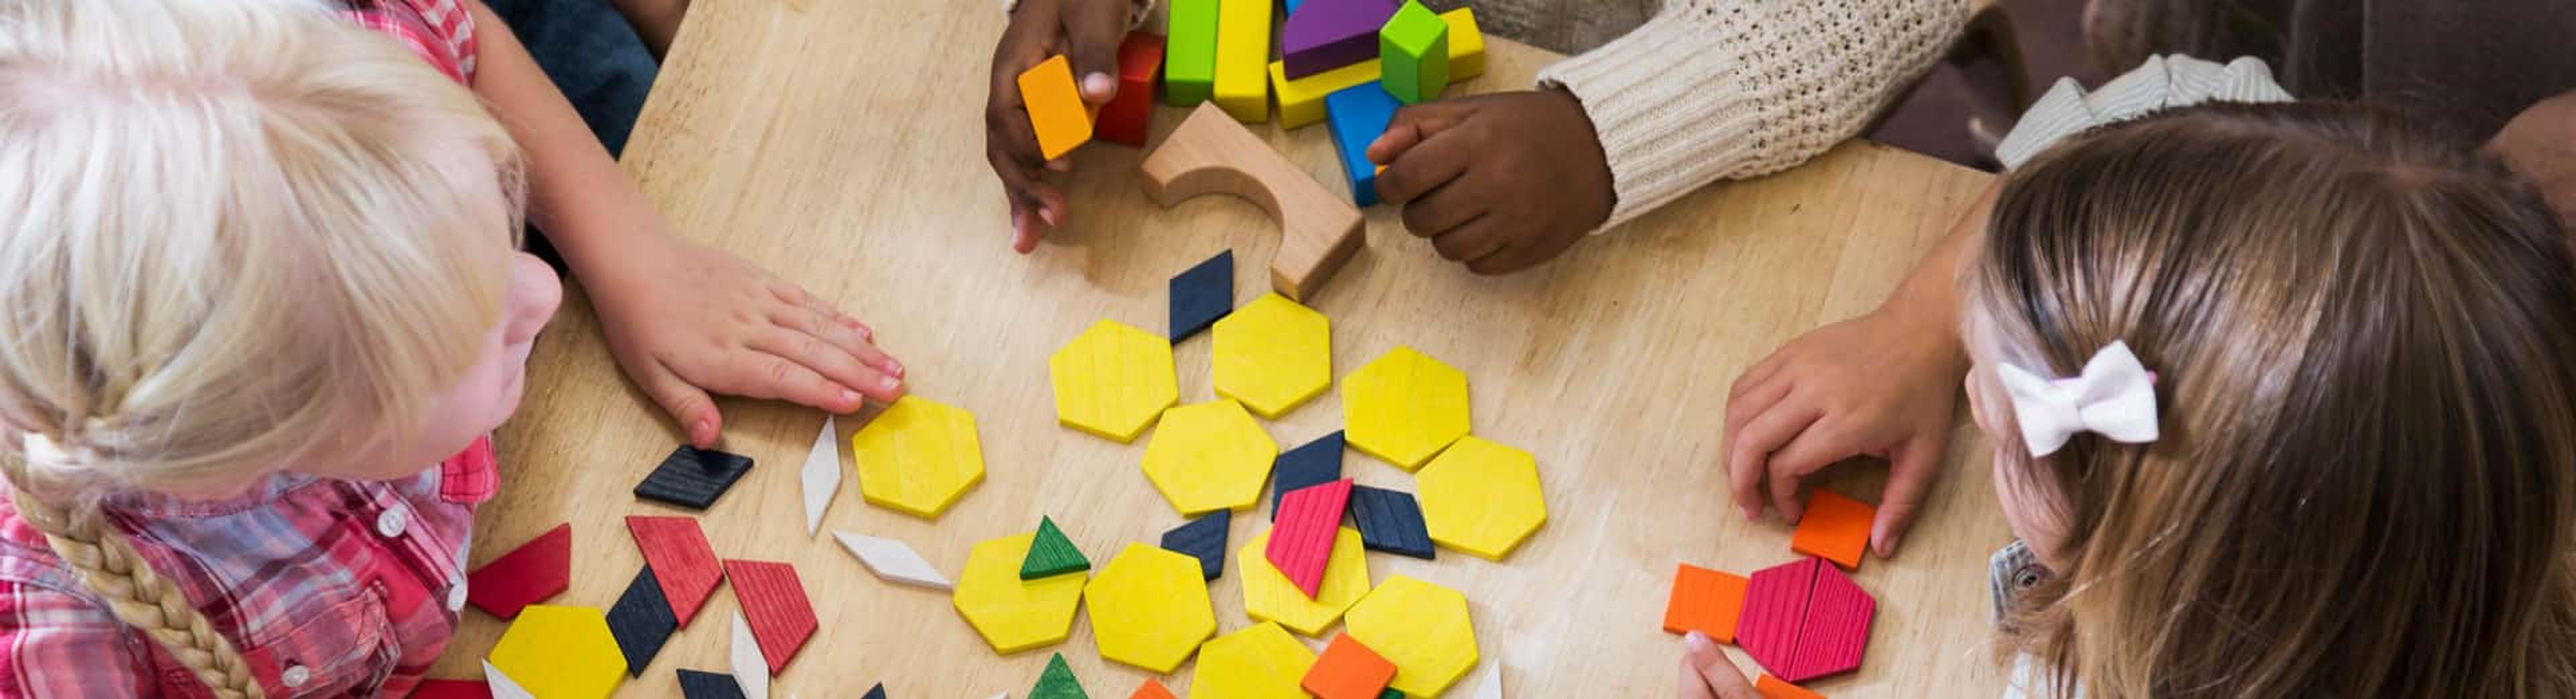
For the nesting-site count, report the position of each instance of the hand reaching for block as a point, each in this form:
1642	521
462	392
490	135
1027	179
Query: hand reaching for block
1087	33
1500	182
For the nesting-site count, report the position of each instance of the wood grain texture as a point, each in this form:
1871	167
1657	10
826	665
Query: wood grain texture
774	601
1211	154
842	148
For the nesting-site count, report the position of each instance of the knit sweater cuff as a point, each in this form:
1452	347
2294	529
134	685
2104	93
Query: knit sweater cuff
1713	89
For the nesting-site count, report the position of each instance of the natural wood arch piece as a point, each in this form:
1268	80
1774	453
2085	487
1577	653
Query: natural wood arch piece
1212	153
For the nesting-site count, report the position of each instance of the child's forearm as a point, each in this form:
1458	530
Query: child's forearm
1929	299
576	192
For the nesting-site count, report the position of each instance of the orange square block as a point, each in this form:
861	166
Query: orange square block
1151	690
1056	111
1774	688
1835	528
1348	670
1705	601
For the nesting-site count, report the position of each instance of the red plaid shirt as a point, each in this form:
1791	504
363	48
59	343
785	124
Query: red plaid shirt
331	588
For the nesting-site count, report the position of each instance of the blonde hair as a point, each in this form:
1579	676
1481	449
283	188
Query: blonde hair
233	235
2365	337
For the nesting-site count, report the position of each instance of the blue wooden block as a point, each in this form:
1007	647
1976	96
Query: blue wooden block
708	685
1202	295
1317	463
876	692
1203	538
1390	521
1291	6
693	478
1358	115
641	621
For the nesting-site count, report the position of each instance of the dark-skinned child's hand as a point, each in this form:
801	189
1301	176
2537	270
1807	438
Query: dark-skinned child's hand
1087	32
1501	182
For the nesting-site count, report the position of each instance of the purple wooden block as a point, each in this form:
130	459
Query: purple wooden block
1326	34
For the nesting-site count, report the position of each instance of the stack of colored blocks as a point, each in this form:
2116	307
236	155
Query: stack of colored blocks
1800	620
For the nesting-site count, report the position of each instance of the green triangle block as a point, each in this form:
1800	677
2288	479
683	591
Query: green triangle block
1391	694
1052	554
1057	682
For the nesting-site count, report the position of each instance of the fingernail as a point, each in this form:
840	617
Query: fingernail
893	367
1059	165
850	398
888	383
1698	642
703	433
1099	84
1888	548
1047	215
1751	514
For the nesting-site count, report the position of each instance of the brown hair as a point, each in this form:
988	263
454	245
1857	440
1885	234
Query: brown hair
2365	336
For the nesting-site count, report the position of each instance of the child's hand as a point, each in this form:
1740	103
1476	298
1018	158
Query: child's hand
1884	385
1706	673
1500	182
685	319
1088	33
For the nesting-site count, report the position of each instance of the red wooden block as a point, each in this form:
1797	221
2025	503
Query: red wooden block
527	575
1130	116
681	559
1835	527
452	689
1836	628
775	604
1775	607
1301	540
1151	690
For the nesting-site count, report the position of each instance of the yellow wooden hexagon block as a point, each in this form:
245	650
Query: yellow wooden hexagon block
1112	380
1208	457
1269	596
1259	662
1404	407
1150	608
1013	614
1481	497
560	653
1422	628
918	457
1272	355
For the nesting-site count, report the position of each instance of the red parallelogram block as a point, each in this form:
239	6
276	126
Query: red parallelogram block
1301	540
1130	116
775	604
1835	527
1836	629
1775	607
452	689
681	559
526	575
1706	601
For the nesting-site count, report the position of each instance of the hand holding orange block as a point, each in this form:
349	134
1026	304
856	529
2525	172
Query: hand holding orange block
1056	111
1835	528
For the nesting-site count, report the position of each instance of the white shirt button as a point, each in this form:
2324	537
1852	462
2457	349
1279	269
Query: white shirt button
295	676
456	596
391	523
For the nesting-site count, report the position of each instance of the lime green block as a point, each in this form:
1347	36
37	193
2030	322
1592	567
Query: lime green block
1189	54
1413	48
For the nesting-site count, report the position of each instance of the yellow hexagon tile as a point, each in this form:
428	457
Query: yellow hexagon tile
918	457
1112	380
564	652
1150	608
1208	457
1013	614
1269	596
1422	628
1404	407
1272	355
1481	497
1260	662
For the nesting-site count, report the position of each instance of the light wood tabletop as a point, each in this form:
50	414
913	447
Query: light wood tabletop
840	144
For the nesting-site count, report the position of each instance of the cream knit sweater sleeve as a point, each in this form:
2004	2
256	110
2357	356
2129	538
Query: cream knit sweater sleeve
1714	89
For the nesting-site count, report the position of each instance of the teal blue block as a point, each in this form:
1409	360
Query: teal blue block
1413	53
1358	115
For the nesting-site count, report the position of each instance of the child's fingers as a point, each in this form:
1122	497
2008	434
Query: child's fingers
1093	32
770	376
1692	685
1910	472
685	402
850	377
1826	441
1474	241
1412	125
1748	457
822	324
807	300
1423	168
1445	208
1720	678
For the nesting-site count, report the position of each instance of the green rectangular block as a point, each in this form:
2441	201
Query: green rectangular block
1413	51
1189	53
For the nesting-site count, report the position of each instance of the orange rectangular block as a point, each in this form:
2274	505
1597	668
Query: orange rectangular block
1348	670
1151	690
1835	528
1706	601
1055	107
1774	688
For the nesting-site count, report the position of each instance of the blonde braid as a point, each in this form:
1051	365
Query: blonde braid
107	564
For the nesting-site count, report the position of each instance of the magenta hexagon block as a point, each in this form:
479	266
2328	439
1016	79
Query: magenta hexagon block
1804	620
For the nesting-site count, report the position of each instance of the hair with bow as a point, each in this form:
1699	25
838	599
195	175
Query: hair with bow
2114	397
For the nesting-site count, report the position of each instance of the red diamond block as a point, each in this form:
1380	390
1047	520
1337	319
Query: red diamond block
452	689
1130	116
1301	540
1775	605
681	559
527	575
775	604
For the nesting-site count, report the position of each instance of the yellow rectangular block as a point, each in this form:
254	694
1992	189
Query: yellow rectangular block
1242	48
1466	45
1055	108
1301	101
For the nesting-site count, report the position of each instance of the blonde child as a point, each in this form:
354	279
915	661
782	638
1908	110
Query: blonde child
262	304
2282	402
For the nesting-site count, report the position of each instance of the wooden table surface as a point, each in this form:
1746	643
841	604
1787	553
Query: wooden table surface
841	145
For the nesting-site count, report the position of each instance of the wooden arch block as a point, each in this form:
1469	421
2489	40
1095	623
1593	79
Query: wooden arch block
1213	154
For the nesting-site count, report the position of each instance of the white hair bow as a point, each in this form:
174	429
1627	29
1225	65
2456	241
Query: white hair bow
2115	397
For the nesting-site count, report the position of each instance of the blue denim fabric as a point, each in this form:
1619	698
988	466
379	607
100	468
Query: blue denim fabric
590	53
